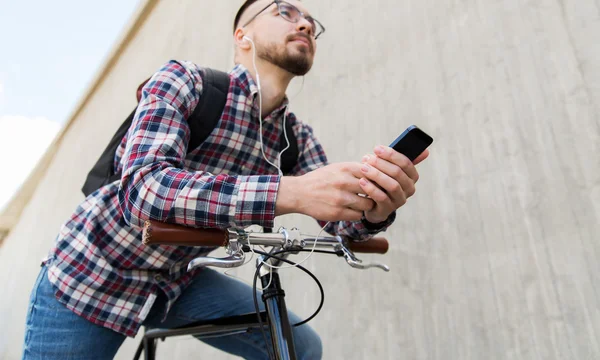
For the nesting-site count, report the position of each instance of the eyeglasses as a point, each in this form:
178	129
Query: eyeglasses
291	13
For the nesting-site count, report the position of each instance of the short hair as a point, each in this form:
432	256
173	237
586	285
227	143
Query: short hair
241	11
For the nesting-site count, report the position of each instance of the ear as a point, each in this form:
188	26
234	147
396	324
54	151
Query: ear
240	42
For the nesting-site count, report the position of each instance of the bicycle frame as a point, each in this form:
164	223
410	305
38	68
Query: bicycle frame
237	243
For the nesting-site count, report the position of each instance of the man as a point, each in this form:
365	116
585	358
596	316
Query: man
101	284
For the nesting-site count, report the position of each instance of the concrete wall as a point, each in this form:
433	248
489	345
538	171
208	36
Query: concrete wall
496	257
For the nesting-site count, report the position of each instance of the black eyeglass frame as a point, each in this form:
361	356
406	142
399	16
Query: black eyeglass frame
278	2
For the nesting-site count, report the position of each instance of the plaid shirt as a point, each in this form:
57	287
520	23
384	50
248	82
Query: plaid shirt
99	267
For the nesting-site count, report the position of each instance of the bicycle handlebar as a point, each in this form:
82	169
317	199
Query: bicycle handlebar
178	235
376	245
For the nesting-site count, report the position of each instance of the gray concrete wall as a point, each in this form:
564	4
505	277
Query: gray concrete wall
496	256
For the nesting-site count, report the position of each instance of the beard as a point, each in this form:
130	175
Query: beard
297	62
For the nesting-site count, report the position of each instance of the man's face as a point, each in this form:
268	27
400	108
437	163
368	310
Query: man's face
291	46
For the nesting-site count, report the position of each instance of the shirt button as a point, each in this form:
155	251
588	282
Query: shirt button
157	277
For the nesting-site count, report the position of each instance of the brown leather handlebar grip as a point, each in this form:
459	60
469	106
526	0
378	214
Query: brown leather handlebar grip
178	235
376	245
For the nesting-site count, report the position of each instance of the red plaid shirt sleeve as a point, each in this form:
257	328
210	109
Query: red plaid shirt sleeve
155	184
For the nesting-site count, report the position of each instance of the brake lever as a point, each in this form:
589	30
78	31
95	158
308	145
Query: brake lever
226	262
356	263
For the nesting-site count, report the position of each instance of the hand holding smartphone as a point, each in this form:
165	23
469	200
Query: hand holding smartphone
384	190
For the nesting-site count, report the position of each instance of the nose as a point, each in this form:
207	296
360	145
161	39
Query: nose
305	26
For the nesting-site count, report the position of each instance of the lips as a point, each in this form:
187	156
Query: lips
304	41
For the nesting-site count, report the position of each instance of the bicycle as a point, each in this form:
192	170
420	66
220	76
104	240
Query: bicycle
237	243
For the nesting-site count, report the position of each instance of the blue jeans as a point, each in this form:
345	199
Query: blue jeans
55	332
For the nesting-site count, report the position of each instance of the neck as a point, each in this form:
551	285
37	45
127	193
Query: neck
273	83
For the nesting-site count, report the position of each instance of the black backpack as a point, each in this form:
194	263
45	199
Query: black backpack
202	121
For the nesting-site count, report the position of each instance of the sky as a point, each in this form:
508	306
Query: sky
50	52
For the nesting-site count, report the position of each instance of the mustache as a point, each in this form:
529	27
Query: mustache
304	36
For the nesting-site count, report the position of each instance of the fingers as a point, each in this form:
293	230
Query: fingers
342	199
353	169
359	203
384	203
345	176
348	215
345	206
390	178
339	215
388	168
398	159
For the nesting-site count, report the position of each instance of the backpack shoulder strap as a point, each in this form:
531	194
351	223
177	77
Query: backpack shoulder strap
289	158
206	115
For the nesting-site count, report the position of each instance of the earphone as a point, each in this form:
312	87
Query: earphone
254	62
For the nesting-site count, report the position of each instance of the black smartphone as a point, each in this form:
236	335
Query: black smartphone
412	142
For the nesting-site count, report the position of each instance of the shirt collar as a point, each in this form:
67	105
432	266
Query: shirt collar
244	80
246	83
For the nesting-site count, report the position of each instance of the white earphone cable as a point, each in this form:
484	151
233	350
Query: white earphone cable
260	113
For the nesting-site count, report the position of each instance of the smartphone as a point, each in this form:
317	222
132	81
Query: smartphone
412	142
